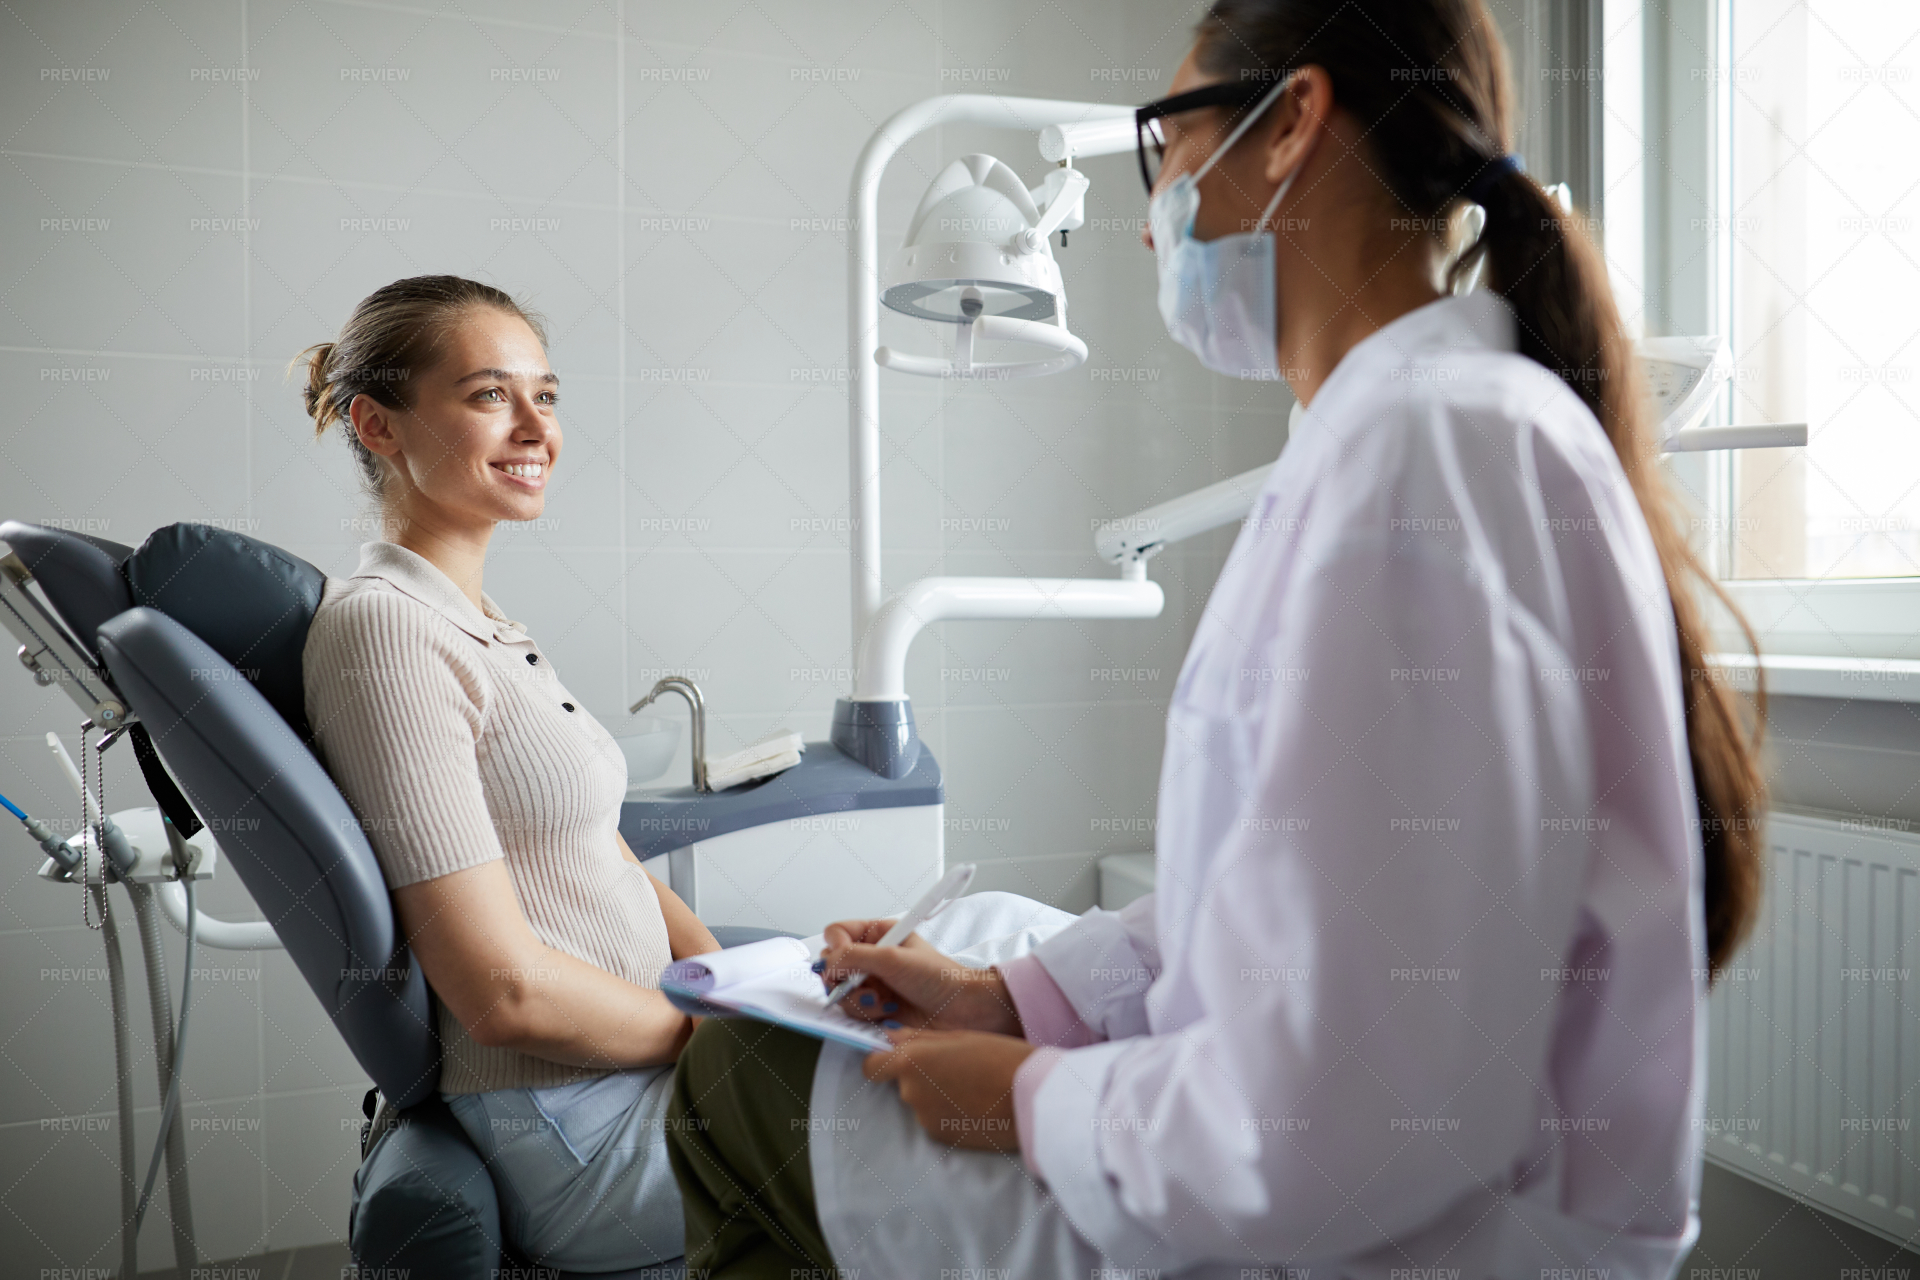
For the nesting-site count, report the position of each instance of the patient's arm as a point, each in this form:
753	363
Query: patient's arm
511	990
686	936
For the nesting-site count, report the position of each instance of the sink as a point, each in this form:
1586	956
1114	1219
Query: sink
648	743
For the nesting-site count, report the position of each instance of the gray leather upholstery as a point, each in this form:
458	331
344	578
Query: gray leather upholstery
80	575
248	600
290	837
423	1202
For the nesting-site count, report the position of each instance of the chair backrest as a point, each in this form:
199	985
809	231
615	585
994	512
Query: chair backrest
213	604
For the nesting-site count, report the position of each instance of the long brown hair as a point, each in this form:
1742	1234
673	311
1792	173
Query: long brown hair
395	333
1428	81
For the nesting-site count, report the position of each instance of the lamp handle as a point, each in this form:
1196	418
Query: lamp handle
1034	238
1069	351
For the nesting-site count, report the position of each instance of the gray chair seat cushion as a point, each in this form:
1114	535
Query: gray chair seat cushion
424	1205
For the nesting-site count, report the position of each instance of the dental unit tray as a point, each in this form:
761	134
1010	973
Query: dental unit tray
824	840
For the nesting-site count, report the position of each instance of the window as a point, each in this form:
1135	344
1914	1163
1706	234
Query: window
1760	179
1822	108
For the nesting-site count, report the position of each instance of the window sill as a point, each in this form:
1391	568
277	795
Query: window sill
1805	676
1858	620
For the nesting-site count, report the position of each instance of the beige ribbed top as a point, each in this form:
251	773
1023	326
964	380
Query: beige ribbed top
452	739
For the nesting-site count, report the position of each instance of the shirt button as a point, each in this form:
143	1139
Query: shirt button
533	659
567	705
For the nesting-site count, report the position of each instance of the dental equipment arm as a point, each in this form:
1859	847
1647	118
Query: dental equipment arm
118	851
222	935
1685	375
863	298
882	673
1132	540
875	724
1769	435
1073	186
169	1035
1106	136
141	860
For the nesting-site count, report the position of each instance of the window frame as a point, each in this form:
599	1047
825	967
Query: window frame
1863	619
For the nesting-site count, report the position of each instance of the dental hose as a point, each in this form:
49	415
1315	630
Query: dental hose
67	860
167	1048
122	1078
169	1045
183	1229
52	845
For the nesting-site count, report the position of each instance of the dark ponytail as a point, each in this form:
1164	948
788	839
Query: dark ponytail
1428	81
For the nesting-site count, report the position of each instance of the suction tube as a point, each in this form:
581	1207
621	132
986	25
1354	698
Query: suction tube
122	1079
168	1050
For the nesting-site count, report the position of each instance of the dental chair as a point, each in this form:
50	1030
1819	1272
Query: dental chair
200	632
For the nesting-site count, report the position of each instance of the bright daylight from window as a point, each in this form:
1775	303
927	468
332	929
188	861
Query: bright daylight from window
1825	108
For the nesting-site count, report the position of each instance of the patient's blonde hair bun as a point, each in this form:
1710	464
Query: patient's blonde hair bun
318	362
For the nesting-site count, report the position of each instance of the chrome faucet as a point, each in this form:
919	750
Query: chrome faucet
687	689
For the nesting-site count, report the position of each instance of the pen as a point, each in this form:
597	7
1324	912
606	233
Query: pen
951	886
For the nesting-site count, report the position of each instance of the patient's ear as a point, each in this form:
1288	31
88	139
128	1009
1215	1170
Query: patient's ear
370	420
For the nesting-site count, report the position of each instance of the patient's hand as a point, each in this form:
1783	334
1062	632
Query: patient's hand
958	1083
913	984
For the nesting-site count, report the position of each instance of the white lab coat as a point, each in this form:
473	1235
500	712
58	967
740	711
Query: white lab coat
1420	984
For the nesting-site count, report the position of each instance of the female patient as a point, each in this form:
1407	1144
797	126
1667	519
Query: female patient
489	794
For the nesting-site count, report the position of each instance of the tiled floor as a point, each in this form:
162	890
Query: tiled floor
316	1262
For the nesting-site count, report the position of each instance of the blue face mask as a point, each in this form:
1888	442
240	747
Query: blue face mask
1216	296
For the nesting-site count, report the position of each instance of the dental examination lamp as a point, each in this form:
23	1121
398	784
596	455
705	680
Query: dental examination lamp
977	255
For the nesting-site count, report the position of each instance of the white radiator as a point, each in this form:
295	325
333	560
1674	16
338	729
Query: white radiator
1814	1031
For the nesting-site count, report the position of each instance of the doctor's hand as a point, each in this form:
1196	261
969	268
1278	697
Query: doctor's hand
958	1083
913	984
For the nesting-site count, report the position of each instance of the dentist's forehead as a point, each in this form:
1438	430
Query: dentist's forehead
1188	76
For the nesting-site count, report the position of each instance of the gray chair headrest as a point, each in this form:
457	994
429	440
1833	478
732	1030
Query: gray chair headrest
249	600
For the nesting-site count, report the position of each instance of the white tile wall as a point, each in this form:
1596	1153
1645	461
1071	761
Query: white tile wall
664	181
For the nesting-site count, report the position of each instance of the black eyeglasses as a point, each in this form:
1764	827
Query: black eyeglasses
1150	133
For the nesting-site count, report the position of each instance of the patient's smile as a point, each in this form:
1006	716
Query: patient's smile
531	474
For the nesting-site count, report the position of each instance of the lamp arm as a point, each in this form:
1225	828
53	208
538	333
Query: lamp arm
863	300
1143	534
882	673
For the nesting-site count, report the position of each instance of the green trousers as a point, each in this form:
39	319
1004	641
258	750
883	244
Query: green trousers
737	1133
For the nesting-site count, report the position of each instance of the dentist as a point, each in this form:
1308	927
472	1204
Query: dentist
1454	825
